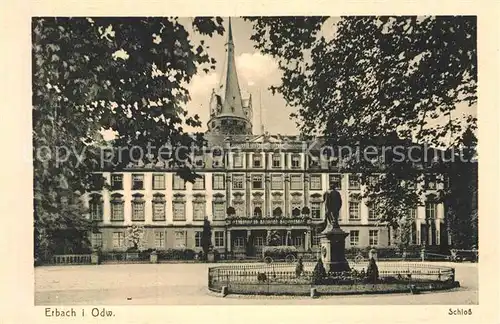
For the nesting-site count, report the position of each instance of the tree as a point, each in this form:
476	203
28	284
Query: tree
135	237
378	82
461	196
206	237
124	74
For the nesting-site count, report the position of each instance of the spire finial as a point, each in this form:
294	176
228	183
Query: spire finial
230	33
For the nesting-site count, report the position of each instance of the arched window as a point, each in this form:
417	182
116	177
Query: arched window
277	212
296	212
257	212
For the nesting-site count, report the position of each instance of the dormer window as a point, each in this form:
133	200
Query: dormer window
296	161
276	160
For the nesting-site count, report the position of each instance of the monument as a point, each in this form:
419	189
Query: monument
332	238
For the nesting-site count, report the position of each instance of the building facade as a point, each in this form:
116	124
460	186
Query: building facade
266	179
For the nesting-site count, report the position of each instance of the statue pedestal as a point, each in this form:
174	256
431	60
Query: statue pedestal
333	250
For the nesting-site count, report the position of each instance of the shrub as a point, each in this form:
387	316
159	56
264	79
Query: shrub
279	251
176	254
261	277
372	272
319	272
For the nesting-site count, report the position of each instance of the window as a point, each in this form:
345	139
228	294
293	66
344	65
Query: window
96	208
218	210
117	211
117	208
257	160
257	181
296	182
178	183
218	182
179	211
276	160
277	210
137	181
296	209
199	160
237	160
296	161
430	210
259	241
298	241
158	182
197	239
117	181
198	210
118	240
159	240
239	242
354	182
354	238
335	180
158	207
217	158
219	238
316	210
180	239
238	180
372	212
354	212
315	183
412	213
277	182
138	210
373	237
314	161
96	239
199	183
257	210
315	238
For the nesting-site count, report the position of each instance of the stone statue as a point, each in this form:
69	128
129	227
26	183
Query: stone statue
333	203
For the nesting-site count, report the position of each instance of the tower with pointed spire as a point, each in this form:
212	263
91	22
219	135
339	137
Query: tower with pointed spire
229	113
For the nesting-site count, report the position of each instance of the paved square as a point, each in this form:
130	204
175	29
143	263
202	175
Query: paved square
186	284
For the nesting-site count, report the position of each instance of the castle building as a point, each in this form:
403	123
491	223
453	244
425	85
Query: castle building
267	179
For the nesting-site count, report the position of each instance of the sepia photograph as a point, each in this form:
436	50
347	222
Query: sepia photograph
254	160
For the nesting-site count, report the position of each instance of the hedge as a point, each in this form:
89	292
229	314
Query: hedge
176	254
279	251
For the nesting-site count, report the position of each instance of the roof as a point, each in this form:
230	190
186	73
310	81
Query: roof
232	104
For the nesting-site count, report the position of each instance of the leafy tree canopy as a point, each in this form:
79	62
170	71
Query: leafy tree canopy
126	75
373	81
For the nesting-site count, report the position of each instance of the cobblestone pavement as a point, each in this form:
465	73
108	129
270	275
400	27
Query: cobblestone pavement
186	284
